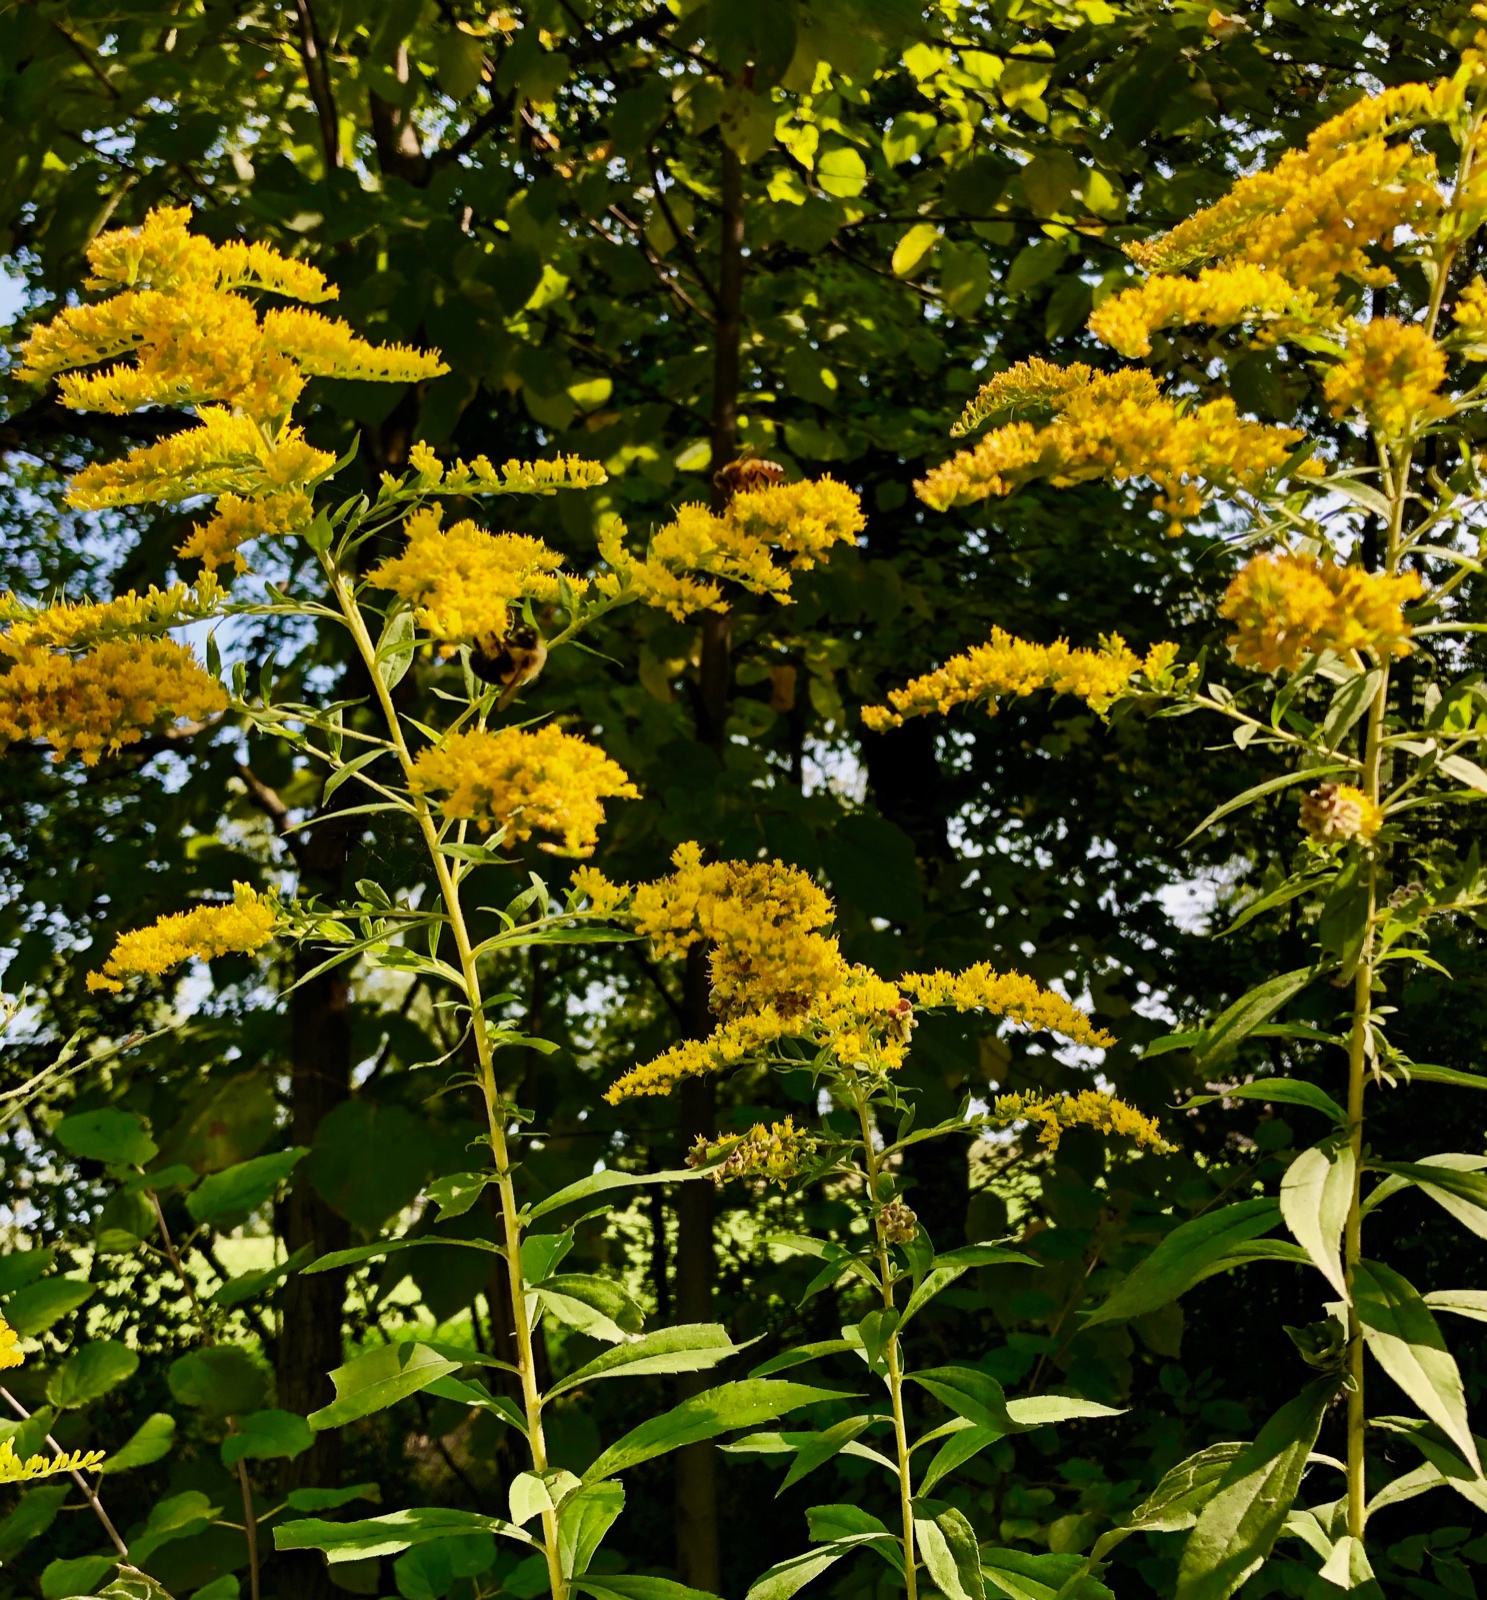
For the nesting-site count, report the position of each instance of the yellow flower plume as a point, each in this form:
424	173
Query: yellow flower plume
1391	375
1090	1108
204	932
14	1470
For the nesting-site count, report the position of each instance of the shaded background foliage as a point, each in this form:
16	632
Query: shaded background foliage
656	236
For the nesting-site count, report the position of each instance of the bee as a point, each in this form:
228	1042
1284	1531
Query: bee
739	476
516	660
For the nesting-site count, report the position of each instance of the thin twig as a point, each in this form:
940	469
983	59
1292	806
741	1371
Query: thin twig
77	1477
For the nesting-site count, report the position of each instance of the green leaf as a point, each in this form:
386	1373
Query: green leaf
60	1579
786	1578
151	1440
693	1347
181	1516
469	1392
1223	1036
597	1306
1440	1455
227	1198
388	1535
1315	1195
819	1448
395	648
132	1584
117	1137
267	1436
1278	1091
1455	1182
380	1378
911	250
803	1353
602	1183
969	1393
584	1517
21	1267
1347	1567
1403	1338
955	1452
613	1587
225	1587
1260	790
1240	1521
1462	1302
1431	1074
1039	1410
31	1311
1287	892
90	1372
1183	1259
982	1255
33	1515
841	172
331	1499
223	1381
456	1193
260	1280
704	1416
1174	1504
947	1544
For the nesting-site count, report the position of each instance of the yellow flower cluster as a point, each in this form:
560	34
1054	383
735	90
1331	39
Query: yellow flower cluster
514	477
727	1046
1287	607
1005	994
10	1347
1470	311
1031	385
204	932
680	571
461	581
14	1470
77	625
524	780
227	454
1008	665
776	1153
234	521
1218	296
1120	426
1391	373
1316	215
1090	1108
1333	812
105	699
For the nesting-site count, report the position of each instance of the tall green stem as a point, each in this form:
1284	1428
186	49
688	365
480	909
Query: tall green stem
510	1211
892	1353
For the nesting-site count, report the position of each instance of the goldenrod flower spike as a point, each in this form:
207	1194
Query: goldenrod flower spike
207	931
1090	1108
1031	385
1218	296
234	521
1005	994
1391	374
1286	608
776	1153
524	781
14	1470
10	1347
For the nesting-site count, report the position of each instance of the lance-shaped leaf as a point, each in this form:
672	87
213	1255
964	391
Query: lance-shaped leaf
380	1378
1021	1576
1241	1520
1462	1302
584	1518
1441	1456
1278	1091
597	1306
388	1535
816	1449
1038	1410
806	1352
693	1347
1404	1339
1419	1481
1223	1036
704	1416
1184	1258
1347	1567
1260	790
1314	1198
1454	1180
603	1182
1174	1504
632	1587
947	1545
965	1442
970	1393
786	1578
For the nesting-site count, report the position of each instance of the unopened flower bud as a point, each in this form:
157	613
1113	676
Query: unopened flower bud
897	1224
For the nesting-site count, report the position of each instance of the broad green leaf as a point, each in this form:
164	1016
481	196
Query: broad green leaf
1038	1410
134	1585
528	1497
583	1519
33	1515
1403	1338
21	1267
32	1311
969	1393
1315	1196
387	1535
602	1183
331	1499
1279	1091
456	1193
227	1198
597	1306
395	648
819	1448
841	172
704	1416
1223	1036
911	250
181	1516
267	1436
693	1347
91	1372
80	1576
223	1381
947	1545
1183	1258
379	1378
1240	1522
1174	1504
118	1137
1260	790
955	1452
629	1587
1042	1577
151	1440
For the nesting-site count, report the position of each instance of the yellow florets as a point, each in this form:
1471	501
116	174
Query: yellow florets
10	1346
776	1153
1031	385
1391	373
234	521
79	624
727	1046
524	780
462	581
1286	608
105	699
1011	666
1090	1108
207	931
514	477
14	1470
1005	994
1219	296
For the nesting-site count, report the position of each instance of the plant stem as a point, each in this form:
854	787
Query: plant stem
510	1211
895	1365
77	1477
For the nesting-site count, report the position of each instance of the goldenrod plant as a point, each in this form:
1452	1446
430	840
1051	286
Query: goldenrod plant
1350	261
184	322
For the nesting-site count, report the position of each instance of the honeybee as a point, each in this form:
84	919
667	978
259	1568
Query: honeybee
748	473
517	659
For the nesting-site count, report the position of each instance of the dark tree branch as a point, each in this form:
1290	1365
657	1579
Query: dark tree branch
317	78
